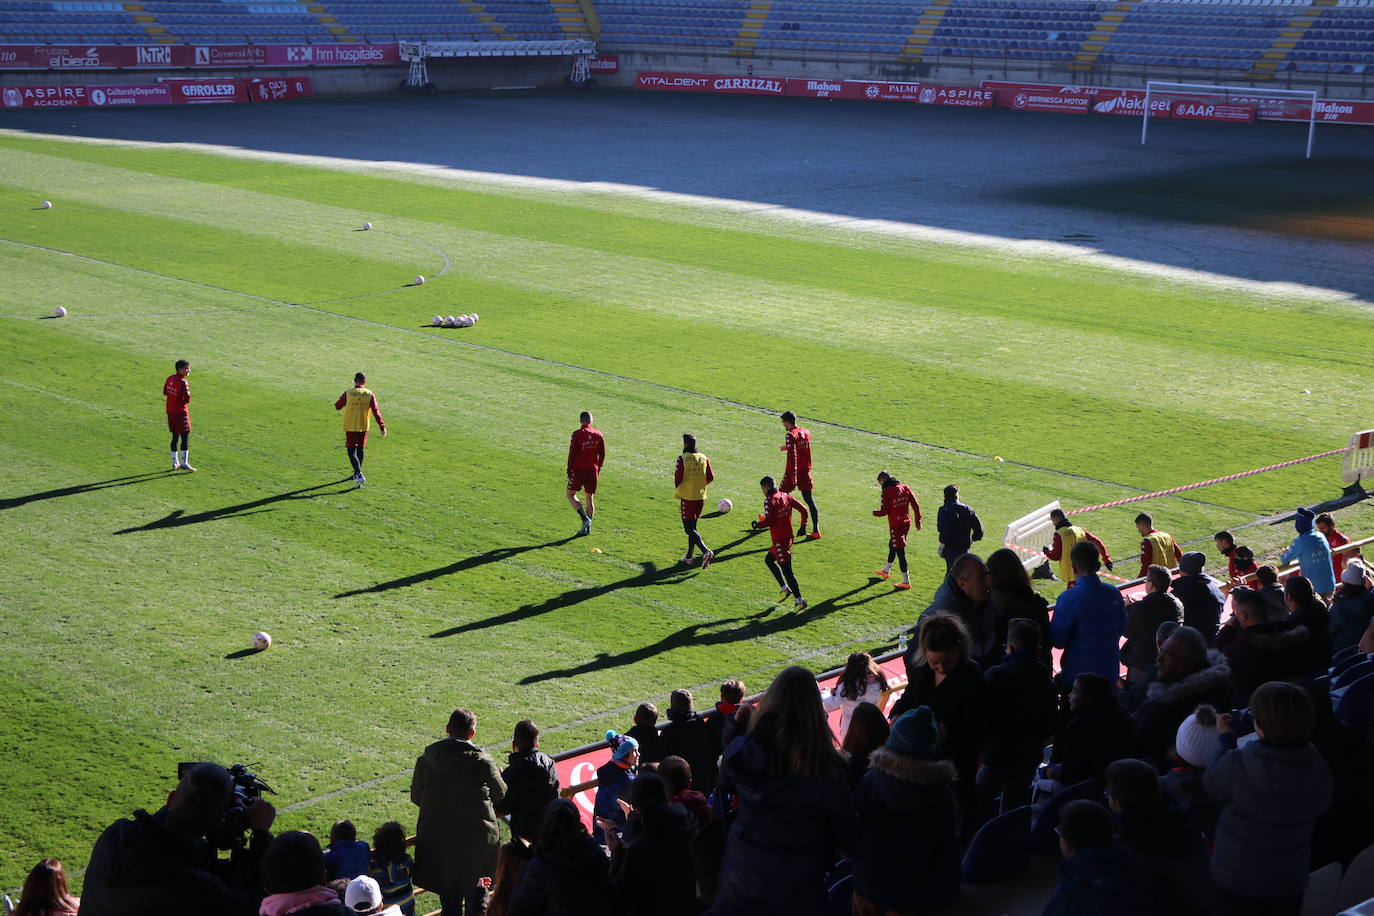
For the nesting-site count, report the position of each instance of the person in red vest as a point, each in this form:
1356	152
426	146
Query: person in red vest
797	474
777	518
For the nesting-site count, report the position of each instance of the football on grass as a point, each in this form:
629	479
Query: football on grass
724	506
261	641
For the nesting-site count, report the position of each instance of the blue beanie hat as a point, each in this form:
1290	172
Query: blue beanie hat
1303	520
914	733
621	745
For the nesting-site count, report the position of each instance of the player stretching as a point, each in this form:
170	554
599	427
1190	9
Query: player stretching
692	476
777	518
359	405
797	475
178	394
898	501
586	454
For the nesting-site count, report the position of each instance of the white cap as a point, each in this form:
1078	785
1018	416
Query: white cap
364	895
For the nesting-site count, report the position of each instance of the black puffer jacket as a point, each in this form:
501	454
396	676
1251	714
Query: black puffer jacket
531	779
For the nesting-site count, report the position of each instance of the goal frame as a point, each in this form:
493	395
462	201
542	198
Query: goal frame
1247	91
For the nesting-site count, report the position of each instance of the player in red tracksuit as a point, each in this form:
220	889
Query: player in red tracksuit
777	518
797	474
178	394
586	453
898	503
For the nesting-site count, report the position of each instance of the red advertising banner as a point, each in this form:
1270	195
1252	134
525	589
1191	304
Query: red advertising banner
709	82
605	63
822	89
207	92
960	96
1129	102
1193	110
886	91
275	89
1040	100
116	96
173	57
44	97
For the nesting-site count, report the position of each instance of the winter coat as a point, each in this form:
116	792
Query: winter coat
1096	881
1274	651
1088	741
1182	786
1007	604
960	704
1350	616
455	784
977	618
553	884
958	527
1023	709
651	875
1317	619
346	859
787	832
907	856
1170	858
531	779
1313	554
612	786
650	743
1143	618
1159	707
1202	603
1087	624
1271	798
139	868
1273	597
696	742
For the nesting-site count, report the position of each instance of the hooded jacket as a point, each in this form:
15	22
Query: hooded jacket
531	779
1159	707
1271	798
895	866
1313	554
1350	614
455	785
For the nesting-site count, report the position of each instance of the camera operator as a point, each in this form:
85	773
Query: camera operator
162	865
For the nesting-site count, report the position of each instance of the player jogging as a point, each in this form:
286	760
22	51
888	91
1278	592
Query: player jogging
1157	548
692	476
1066	534
359	406
586	453
178	394
797	474
777	518
898	503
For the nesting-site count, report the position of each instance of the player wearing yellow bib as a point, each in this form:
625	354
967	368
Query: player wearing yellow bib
692	476
1157	548
359	406
1065	536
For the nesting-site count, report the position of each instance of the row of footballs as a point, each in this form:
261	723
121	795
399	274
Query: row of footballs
460	321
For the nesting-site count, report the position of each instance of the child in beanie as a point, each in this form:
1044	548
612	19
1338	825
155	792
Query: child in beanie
1196	745
613	782
1313	554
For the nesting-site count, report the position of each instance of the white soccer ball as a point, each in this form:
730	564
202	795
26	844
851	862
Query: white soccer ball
437	321
47	205
262	641
467	321
59	312
366	226
474	317
419	281
724	506
450	322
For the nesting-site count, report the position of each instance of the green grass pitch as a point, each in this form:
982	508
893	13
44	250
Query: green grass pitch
450	578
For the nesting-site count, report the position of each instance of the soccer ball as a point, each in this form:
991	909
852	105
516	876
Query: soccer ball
47	205
366	226
59	312
474	317
466	321
419	281
450	322
437	321
724	506
262	641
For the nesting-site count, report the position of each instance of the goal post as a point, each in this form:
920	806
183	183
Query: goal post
1226	103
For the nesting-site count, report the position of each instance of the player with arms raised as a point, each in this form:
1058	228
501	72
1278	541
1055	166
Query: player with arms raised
359	405
586	454
898	503
777	518
797	474
178	394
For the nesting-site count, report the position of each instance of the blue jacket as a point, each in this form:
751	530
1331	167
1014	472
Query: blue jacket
1098	880
346	859
1087	624
1314	556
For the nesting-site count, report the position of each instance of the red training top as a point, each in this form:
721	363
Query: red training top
1056	551
178	394
898	500
1336	539
797	445
777	514
586	450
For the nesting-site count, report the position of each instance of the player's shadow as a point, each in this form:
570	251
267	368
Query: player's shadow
15	501
649	575
177	517
717	632
481	559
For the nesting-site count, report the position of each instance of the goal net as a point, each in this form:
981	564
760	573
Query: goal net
1233	104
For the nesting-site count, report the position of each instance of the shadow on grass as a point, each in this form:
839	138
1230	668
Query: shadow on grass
1330	505
15	501
176	518
244	653
481	559
648	575
718	632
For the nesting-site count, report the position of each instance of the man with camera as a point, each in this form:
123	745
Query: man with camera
164	864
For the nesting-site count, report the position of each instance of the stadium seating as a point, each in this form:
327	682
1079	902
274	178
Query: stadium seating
698	23
1015	29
